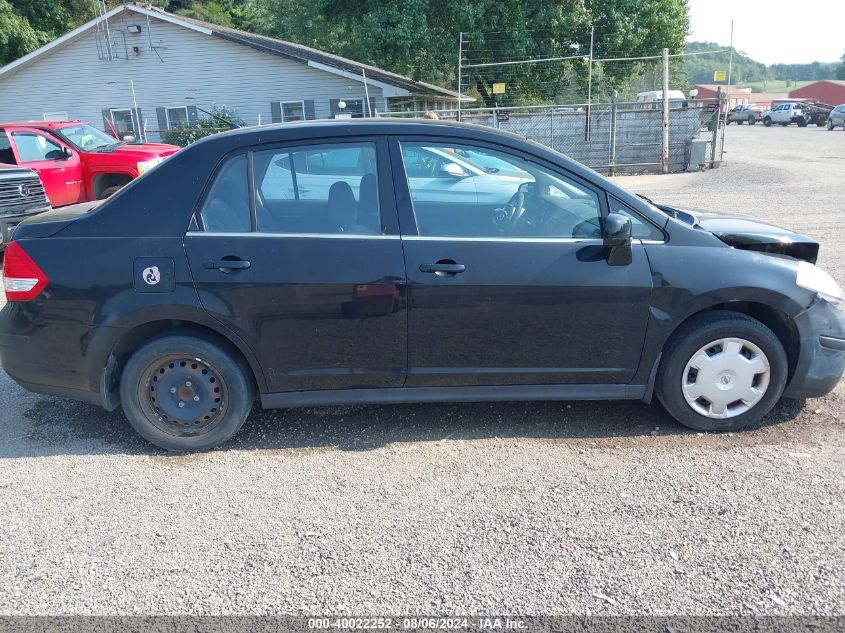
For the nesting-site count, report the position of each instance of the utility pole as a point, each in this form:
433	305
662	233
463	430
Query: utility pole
587	130
460	55
664	156
366	93
728	102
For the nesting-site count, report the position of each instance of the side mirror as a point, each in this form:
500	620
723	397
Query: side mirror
58	154
617	230
617	239
453	170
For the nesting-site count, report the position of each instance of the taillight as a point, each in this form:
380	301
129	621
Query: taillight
22	278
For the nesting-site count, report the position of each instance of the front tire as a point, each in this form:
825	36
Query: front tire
722	371
829	125
767	121
184	393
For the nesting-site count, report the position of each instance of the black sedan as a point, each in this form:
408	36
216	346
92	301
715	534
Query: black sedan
340	262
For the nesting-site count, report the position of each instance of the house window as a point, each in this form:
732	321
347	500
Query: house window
123	121
293	111
176	117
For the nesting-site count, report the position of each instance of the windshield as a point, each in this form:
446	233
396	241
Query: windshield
86	137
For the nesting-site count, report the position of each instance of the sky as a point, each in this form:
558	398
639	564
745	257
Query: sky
771	31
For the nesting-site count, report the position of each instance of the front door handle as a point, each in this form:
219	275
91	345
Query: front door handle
443	267
228	265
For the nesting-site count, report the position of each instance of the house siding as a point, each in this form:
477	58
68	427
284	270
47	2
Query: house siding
195	69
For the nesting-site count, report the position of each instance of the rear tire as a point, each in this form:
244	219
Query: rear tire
735	362
184	393
751	120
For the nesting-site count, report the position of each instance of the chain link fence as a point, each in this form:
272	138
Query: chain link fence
613	138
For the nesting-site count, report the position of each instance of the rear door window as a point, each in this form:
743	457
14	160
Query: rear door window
226	208
318	189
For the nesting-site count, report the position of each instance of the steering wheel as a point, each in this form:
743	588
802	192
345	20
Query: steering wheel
507	216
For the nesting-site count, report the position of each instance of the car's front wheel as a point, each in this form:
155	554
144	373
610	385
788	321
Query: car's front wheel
767	121
830	124
722	371
184	393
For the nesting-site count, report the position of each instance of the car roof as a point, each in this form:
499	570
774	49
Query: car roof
53	125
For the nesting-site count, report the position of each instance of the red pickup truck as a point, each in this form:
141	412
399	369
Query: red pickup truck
76	161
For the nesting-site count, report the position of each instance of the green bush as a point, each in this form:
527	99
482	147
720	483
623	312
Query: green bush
205	126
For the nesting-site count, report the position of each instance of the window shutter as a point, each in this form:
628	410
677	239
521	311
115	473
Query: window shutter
107	127
309	109
161	115
276	111
193	117
333	109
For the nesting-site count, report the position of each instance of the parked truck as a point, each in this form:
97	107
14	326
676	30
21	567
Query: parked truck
76	161
21	196
745	114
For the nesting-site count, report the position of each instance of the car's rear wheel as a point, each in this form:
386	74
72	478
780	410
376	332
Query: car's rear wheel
767	121
751	120
184	393
722	371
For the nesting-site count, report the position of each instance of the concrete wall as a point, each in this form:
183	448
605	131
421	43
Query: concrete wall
636	134
187	68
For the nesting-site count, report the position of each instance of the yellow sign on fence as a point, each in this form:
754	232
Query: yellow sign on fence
719	75
498	89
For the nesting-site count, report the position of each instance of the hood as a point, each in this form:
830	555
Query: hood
6	168
752	235
139	151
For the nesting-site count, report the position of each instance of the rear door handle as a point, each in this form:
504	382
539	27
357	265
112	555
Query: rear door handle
228	265
443	268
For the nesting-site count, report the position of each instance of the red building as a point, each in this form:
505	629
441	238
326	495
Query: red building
830	91
733	96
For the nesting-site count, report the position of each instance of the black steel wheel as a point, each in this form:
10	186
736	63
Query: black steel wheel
184	396
185	393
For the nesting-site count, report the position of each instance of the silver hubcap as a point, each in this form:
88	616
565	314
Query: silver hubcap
726	378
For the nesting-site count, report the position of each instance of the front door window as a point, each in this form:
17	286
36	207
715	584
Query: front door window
33	147
466	191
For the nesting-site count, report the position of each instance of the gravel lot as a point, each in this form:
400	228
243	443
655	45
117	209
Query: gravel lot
603	508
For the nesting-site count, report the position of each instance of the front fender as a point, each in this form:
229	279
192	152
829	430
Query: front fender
692	279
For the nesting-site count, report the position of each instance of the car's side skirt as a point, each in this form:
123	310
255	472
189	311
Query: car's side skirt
505	393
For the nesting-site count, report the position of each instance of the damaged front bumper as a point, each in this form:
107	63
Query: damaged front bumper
821	356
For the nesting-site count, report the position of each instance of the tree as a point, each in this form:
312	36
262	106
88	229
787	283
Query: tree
419	38
840	71
24	26
17	37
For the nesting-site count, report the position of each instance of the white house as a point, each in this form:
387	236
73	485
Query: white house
142	70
